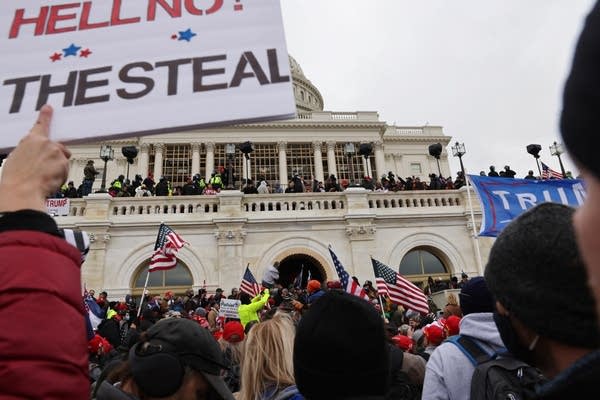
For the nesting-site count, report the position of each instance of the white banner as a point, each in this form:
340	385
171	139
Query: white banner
58	206
229	308
125	67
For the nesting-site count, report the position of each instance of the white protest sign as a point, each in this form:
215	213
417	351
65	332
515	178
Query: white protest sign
229	308
58	206
125	67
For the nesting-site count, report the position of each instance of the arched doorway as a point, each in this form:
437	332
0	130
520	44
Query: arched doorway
300	268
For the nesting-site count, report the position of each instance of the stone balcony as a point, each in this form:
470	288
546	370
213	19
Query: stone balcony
233	205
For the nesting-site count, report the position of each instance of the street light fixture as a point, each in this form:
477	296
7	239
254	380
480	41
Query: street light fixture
230	151
534	150
556	150
459	150
350	150
106	153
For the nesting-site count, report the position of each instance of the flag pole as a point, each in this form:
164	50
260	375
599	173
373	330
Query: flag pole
475	236
378	295
143	294
148	273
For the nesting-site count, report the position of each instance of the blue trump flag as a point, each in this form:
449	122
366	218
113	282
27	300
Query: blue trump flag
504	199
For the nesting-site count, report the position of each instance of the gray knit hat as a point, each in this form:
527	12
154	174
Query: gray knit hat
535	271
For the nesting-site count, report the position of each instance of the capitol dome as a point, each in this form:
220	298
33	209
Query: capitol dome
308	98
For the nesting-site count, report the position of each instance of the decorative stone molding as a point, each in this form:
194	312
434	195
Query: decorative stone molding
230	236
378	144
331	146
210	146
282	146
196	146
361	232
103	238
317	145
159	147
144	147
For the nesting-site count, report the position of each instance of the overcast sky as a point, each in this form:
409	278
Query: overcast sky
490	73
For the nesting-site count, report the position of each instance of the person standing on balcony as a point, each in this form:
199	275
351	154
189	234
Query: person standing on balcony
89	176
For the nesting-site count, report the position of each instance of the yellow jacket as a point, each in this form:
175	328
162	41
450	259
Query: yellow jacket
248	312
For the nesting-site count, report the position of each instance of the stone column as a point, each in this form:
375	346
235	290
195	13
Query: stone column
379	160
283	175
143	160
158	161
210	159
332	168
318	161
247	169
366	170
195	158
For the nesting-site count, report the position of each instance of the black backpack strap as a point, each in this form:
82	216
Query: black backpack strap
471	348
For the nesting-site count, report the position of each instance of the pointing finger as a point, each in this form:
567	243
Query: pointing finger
42	125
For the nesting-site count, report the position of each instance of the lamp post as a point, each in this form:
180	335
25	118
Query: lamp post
106	153
230	151
350	151
556	150
458	150
534	150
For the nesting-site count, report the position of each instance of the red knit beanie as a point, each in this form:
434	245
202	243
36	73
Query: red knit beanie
233	331
313	285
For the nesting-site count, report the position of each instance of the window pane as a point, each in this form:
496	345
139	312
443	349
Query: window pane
415	168
410	264
178	276
156	278
432	264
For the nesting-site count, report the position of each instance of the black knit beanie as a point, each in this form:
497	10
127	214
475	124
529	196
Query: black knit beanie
340	349
580	117
475	297
535	271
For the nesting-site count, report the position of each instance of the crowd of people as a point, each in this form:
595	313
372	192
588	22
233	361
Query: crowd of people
527	329
197	185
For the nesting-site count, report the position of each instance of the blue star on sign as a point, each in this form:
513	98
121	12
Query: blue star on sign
71	50
186	35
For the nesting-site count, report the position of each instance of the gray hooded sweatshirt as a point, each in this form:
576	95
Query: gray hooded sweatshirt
449	371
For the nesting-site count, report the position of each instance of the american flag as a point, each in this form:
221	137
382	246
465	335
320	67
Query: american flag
249	284
165	250
93	313
348	284
549	173
398	289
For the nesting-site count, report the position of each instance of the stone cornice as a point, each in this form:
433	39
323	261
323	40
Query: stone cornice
425	139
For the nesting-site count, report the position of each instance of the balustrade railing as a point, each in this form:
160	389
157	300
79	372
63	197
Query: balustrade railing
274	205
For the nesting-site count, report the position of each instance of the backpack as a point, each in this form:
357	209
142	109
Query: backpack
498	376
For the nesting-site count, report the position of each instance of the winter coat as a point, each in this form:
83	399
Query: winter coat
288	393
449	371
579	381
43	344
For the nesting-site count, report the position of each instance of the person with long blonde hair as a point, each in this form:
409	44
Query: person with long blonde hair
268	365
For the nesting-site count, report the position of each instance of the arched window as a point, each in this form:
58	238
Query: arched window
421	261
178	279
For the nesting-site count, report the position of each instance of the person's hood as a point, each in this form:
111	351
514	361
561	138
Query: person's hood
481	326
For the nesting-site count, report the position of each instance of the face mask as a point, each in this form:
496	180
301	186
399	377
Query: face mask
511	340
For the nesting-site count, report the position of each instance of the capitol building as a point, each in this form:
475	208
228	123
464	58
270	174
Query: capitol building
418	233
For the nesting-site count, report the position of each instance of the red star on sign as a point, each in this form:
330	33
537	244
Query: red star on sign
85	53
56	57
173	37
